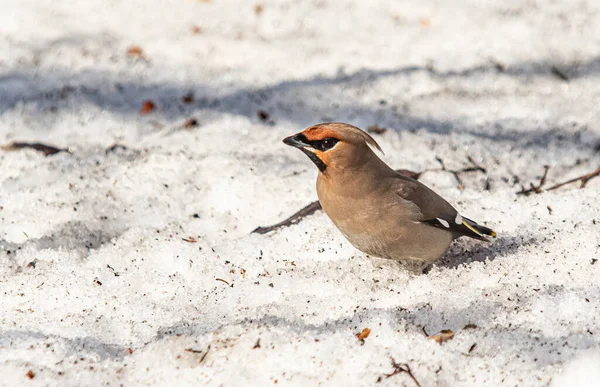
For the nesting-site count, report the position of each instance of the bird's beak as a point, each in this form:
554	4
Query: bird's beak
297	141
301	142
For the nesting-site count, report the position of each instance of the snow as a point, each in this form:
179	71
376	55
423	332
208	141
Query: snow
135	265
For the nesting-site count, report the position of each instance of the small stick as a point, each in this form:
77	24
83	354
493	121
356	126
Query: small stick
47	150
584	179
533	188
400	368
296	218
472	347
474	168
205	353
559	73
477	167
113	270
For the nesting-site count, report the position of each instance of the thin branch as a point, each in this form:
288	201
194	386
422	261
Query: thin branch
559	73
402	368
584	179
533	187
47	150
456	173
477	167
296	218
205	353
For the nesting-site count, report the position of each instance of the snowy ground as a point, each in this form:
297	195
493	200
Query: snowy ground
99	286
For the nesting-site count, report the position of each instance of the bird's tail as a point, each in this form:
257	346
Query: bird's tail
477	228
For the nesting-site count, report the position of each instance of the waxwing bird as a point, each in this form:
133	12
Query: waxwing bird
381	212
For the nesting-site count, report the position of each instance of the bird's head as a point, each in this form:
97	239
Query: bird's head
334	145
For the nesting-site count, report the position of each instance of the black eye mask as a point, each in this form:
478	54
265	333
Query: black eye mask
322	145
301	142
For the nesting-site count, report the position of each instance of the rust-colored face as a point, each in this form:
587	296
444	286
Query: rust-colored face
332	146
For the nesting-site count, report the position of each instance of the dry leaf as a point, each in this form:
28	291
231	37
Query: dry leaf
30	374
147	107
263	115
190	123
188	98
259	8
363	334
135	51
196	30
443	336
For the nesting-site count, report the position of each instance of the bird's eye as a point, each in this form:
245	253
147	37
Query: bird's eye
328	143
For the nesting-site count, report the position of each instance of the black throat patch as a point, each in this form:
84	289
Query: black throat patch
315	159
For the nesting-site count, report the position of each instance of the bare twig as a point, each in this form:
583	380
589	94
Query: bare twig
559	73
205	353
113	270
473	168
584	179
114	148
535	188
199	351
47	150
402	368
472	347
297	217
477	167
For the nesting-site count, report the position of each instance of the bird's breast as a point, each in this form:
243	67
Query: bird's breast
362	217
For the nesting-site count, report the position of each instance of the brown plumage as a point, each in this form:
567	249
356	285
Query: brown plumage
380	211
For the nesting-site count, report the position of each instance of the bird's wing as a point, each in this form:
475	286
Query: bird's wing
466	227
435	211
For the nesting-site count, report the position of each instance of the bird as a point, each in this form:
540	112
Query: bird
378	210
